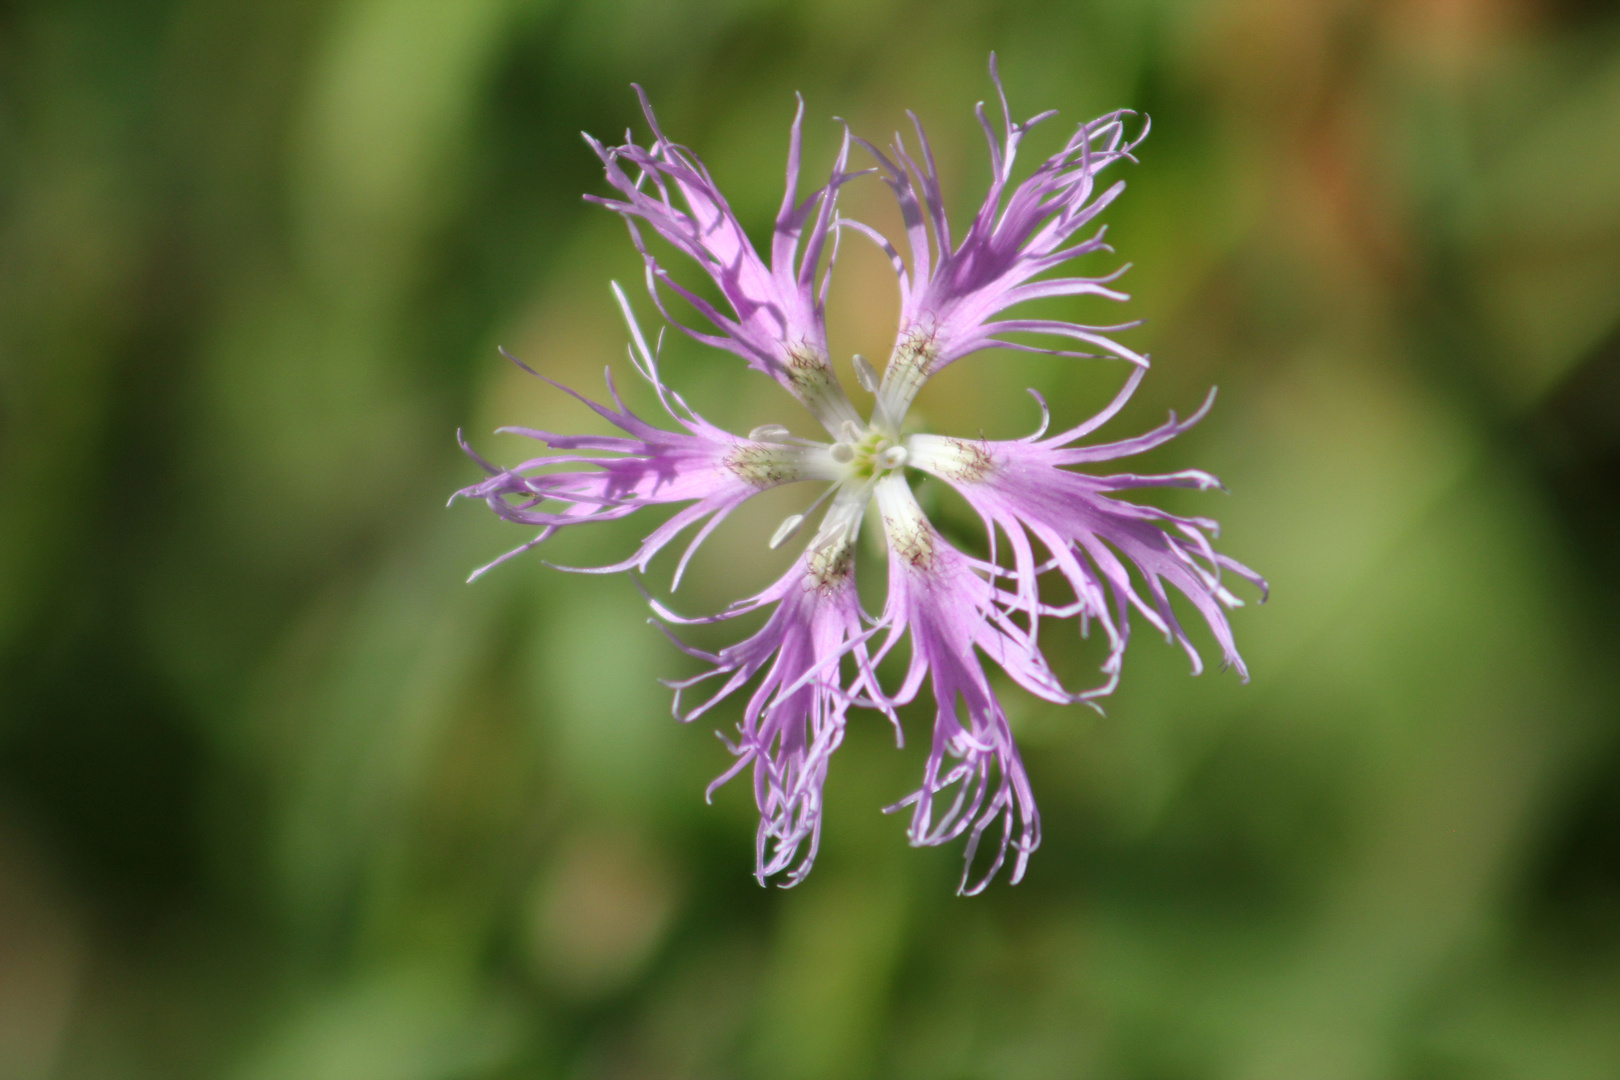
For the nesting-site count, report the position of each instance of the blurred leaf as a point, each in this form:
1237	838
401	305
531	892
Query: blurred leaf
401	1025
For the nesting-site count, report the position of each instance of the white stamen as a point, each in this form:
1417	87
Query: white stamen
851	432
769	433
865	375
842	452
785	531
892	458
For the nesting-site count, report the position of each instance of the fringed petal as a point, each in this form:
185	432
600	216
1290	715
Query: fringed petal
795	717
701	464
1022	488
952	292
776	321
974	782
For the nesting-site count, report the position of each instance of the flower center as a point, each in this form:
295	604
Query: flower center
868	453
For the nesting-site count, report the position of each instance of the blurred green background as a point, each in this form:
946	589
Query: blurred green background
281	798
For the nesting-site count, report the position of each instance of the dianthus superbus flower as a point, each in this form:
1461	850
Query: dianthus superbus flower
1062	530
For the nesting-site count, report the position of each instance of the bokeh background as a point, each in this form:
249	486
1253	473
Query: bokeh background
281	798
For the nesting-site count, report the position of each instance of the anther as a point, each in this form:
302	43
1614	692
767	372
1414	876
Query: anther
769	433
865	375
842	452
785	531
851	432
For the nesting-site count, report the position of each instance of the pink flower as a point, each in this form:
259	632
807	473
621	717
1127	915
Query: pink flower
813	658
